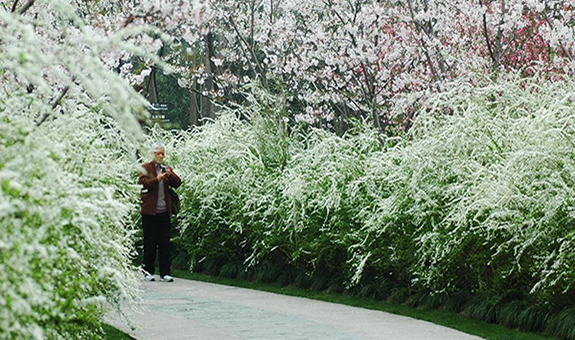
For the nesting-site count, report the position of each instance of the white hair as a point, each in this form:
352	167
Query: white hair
158	145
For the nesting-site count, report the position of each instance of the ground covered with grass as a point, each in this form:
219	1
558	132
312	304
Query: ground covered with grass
112	333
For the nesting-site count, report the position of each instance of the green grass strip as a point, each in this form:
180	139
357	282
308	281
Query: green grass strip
443	318
112	333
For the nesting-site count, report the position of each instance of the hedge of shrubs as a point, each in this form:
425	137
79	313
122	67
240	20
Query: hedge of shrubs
472	211
65	211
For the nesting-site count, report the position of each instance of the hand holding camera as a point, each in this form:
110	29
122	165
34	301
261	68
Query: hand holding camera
163	173
167	170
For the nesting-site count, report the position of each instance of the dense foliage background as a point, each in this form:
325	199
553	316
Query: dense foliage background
472	211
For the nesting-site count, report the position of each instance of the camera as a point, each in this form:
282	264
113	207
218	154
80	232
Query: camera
163	168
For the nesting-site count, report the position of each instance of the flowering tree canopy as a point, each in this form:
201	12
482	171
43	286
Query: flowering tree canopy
337	59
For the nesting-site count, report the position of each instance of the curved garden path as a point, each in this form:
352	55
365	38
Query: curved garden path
187	309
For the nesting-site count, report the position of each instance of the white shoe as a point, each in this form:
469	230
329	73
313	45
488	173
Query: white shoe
149	277
166	278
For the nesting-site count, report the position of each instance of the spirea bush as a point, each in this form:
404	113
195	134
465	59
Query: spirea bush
471	211
68	141
65	245
228	166
497	178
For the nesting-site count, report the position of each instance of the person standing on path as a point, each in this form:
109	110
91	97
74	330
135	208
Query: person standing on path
156	179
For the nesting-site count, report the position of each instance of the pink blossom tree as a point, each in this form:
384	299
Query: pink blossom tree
338	59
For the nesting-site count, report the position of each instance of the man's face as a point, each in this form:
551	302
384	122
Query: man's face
159	155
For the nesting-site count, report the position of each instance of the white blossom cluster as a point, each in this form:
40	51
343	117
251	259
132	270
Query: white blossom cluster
68	139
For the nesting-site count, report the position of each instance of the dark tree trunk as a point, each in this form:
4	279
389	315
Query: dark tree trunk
151	90
194	119
208	109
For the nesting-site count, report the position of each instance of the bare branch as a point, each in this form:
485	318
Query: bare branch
26	7
54	105
59	99
499	38
254	58
343	22
563	48
14	6
252	24
486	35
212	99
436	76
494	47
271	12
248	59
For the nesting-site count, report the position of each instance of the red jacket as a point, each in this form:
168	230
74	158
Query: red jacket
150	185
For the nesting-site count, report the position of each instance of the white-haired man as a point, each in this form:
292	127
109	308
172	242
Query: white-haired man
156	178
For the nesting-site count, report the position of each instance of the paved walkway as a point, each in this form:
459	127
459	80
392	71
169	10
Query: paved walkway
187	309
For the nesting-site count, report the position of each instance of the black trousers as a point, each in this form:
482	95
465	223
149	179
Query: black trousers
157	238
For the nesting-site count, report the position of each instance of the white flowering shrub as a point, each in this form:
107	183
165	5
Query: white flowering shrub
488	188
65	245
476	202
227	167
68	140
320	209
